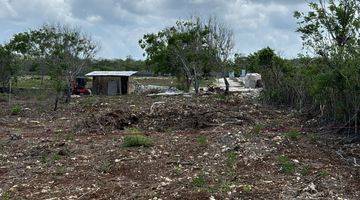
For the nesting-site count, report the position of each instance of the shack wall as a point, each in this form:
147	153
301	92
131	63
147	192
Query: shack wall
104	85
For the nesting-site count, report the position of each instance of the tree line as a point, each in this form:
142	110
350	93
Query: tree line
324	83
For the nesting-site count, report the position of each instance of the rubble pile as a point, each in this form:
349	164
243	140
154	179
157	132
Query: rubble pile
175	114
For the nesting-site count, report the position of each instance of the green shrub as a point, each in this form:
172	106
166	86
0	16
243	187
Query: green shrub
257	129
231	159
4	97
105	167
293	135
323	173
16	109
60	170
305	170
202	140
133	130
69	136
56	157
225	186
178	170
331	79
137	141
247	188
199	181
286	165
6	195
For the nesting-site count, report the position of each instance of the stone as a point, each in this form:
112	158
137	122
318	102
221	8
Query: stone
15	136
253	80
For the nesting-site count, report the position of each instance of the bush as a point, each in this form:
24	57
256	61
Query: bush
105	167
137	141
257	129
293	135
15	110
133	130
3	97
286	165
305	170
322	87
247	188
202	140
199	181
231	159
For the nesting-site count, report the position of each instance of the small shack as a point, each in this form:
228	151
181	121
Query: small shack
111	82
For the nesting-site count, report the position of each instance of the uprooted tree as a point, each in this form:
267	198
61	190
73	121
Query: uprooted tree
65	51
189	49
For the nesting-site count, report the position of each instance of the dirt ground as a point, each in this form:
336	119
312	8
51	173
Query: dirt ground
206	147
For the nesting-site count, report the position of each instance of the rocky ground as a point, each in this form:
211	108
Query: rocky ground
207	147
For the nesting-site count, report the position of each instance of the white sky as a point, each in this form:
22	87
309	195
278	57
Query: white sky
118	24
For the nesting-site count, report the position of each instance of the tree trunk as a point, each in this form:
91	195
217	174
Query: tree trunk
227	85
42	73
188	84
196	86
10	92
68	93
56	102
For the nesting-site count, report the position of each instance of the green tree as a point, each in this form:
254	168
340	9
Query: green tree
242	62
66	52
191	50
331	30
180	49
277	76
7	67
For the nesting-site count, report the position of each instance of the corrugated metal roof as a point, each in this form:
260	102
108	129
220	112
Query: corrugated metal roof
111	73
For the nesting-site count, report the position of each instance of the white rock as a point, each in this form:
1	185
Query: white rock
252	79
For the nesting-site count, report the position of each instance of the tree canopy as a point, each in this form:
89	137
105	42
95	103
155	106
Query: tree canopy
190	49
65	51
7	67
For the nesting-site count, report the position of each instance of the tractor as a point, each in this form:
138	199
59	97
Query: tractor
79	87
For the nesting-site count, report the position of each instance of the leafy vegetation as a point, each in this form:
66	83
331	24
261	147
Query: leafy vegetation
293	135
199	181
326	84
286	165
128	64
64	50
305	170
332	30
137	141
7	66
202	140
231	159
257	129
16	109
189	49
105	167
247	188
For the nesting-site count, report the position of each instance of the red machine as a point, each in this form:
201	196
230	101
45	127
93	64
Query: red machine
79	87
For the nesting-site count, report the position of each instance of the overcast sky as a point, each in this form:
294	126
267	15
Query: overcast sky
118	24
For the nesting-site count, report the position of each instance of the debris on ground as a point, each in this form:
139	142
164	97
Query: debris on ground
205	147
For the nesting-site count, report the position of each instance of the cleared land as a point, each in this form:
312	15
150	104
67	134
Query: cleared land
204	147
